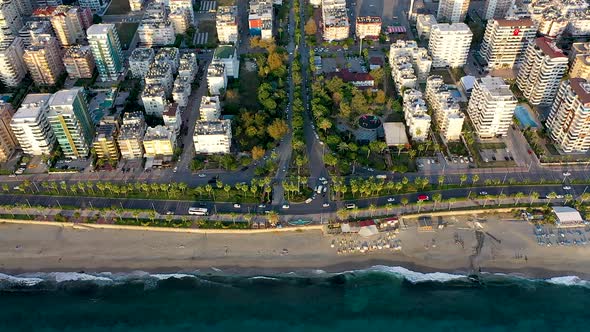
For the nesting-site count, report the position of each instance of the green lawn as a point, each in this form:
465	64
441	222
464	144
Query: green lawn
118	7
126	32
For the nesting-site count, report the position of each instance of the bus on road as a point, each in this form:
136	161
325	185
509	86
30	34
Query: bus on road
198	211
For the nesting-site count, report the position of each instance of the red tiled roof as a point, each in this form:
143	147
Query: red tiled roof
366	223
515	23
347	76
549	48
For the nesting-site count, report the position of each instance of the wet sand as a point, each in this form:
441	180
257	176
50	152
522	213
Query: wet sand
36	248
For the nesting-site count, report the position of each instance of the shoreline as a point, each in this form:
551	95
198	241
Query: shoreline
30	248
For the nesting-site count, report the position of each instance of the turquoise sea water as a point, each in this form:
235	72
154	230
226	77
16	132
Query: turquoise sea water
377	299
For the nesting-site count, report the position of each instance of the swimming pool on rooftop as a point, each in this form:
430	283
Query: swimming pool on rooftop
525	117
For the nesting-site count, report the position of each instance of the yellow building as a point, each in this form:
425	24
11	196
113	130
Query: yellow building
581	66
368	26
44	62
159	142
7	140
104	143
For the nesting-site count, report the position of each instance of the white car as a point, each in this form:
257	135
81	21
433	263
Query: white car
322	178
326	205
262	205
567	188
559	196
237	205
391	199
567	173
285	206
201	175
483	193
175	169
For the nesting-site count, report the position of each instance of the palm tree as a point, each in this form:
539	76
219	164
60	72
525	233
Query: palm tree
534	196
342	214
441	180
451	201
550	196
248	218
372	209
419	203
584	197
437	198
474	179
325	124
463	178
518	196
405	202
273	218
501	197
227	189
5	187
412	153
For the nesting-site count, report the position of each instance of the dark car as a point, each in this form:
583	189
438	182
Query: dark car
244	168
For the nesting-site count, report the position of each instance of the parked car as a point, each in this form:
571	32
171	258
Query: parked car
285	206
391	199
423	197
483	193
567	188
326	205
237	205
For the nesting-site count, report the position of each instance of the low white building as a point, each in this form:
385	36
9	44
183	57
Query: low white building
188	66
210	108
216	78
154	99
567	216
416	115
423	24
212	137
170	55
160	73
228	56
181	91
227	24
140	60
172	117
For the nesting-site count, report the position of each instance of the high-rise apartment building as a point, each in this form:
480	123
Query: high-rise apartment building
541	71
96	6
180	20
491	107
44	61
228	56
449	44
33	30
10	19
569	119
106	49
580	56
496	8
12	66
416	115
69	24
31	126
25	7
447	113
8	141
71	123
79	62
227	24
505	41
452	11
335	22
130	138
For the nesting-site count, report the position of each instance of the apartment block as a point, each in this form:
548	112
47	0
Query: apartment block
452	11
44	61
183	5
160	73
105	144
216	78
449	44
409	63
181	91
154	99
31	126
136	5
505	42
424	24
497	8
79	62
140	60
12	66
32	30
541	71
24	7
335	23
212	137
96	6
188	66
69	24
106	49
491	107
227	55
569	119
580	57
210	108
155	28
8	142
416	115
170	55
71	123
554	17
447	113
159	142
131	133
181	20
260	19
227	24
10	19
172	117
368	27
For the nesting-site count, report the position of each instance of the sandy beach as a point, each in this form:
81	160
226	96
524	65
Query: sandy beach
508	246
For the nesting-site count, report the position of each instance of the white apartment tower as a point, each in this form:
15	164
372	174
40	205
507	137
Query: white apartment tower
496	8
452	11
491	107
227	24
505	41
31	126
10	19
449	44
541	72
12	65
569	120
447	113
106	49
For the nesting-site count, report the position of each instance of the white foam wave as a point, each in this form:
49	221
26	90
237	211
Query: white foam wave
20	280
262	278
164	276
76	276
416	277
569	281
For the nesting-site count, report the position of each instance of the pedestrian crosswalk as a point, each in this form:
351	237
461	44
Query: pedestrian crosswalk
202	38
207	6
